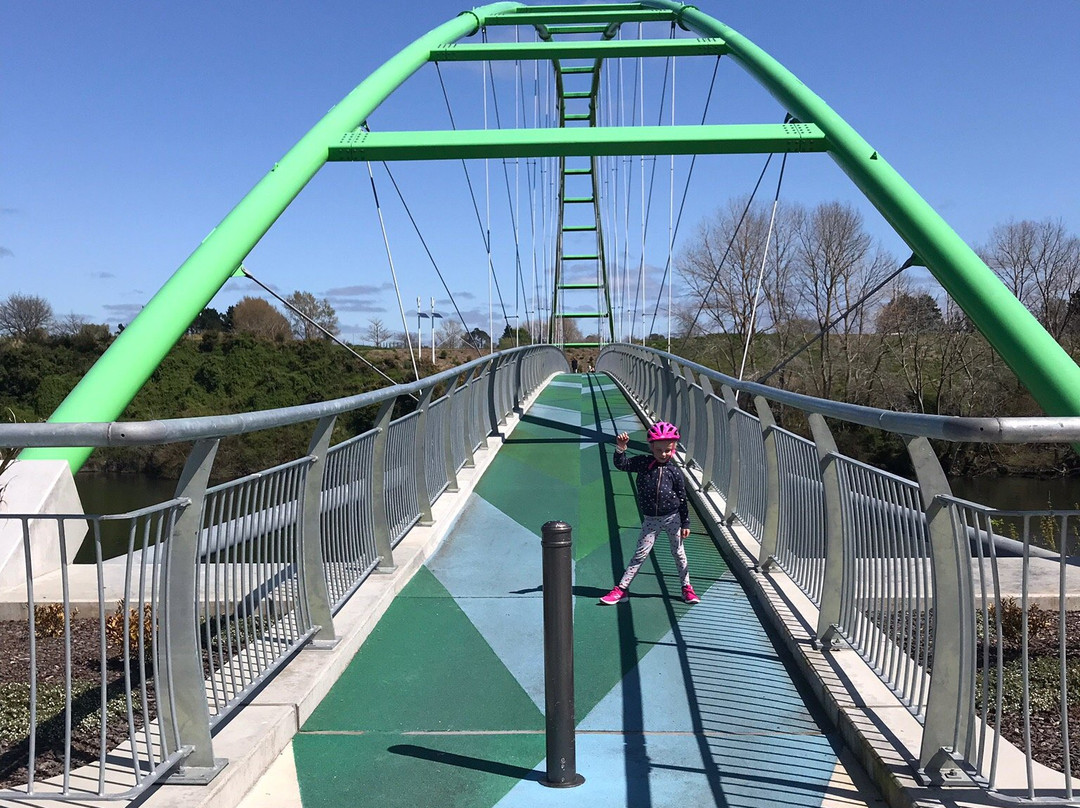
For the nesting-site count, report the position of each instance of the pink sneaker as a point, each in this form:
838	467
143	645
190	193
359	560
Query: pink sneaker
616	595
689	595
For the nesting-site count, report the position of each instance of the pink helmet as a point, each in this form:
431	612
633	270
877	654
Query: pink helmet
662	430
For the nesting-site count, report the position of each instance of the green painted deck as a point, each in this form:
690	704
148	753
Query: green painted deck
675	704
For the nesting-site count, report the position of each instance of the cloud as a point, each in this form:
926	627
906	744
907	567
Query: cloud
102	275
360	306
9	211
6	253
354	291
122	311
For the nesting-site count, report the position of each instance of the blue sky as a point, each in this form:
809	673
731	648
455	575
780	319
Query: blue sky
129	130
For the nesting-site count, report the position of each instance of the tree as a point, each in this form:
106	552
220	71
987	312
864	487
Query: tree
316	317
451	334
25	316
377	333
208	319
255	316
480	338
907	314
835	264
70	324
1040	263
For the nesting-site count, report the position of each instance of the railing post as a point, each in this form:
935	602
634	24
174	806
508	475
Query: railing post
381	518
448	438
949	702
731	496
709	457
494	417
519	398
666	409
771	529
423	496
312	571
181	689
833	582
468	418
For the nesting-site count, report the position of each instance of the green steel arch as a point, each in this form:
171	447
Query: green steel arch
1036	358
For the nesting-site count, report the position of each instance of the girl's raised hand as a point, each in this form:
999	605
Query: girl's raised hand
622	440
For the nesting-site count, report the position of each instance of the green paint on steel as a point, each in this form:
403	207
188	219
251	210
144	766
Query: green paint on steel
1037	359
605	49
578	142
417	645
528	16
117	376
414	771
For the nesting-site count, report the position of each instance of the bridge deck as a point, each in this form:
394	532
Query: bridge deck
676	704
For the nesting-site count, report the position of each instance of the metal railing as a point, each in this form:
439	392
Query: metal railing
900	571
221	586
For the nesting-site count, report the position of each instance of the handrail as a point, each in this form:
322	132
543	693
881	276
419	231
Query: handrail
174	430
961	429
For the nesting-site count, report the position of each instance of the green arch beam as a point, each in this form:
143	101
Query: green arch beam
117	376
1036	358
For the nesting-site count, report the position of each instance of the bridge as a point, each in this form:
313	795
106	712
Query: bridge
369	613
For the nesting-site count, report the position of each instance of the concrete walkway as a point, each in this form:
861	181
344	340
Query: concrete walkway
676	704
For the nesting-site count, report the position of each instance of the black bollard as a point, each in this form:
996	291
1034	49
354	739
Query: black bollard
559	658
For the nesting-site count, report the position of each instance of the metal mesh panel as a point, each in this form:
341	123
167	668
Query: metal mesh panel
458	433
109	737
800	545
886	598
253	616
722	451
347	518
1021	646
435	449
752	476
399	486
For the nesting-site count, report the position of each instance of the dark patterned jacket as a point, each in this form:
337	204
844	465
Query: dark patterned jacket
660	487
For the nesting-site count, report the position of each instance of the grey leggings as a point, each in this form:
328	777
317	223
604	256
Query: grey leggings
650	526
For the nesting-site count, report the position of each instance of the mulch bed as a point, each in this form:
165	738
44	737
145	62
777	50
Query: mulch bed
86	674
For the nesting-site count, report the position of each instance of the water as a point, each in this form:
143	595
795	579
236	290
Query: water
1020	493
106	493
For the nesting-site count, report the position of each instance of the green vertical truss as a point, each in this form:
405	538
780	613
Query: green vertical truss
586	301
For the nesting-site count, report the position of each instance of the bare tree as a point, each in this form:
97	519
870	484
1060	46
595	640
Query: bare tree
377	333
255	315
450	334
25	316
836	263
724	268
1040	263
70	324
315	318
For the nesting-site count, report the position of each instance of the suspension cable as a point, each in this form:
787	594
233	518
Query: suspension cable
647	210
393	272
686	189
761	272
484	234
306	318
510	202
727	250
912	261
431	257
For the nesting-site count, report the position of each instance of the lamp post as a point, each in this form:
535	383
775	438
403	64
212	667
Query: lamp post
419	337
433	316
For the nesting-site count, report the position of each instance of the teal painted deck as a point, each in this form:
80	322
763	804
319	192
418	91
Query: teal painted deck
676	705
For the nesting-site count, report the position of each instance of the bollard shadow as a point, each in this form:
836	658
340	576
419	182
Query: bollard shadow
466	762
